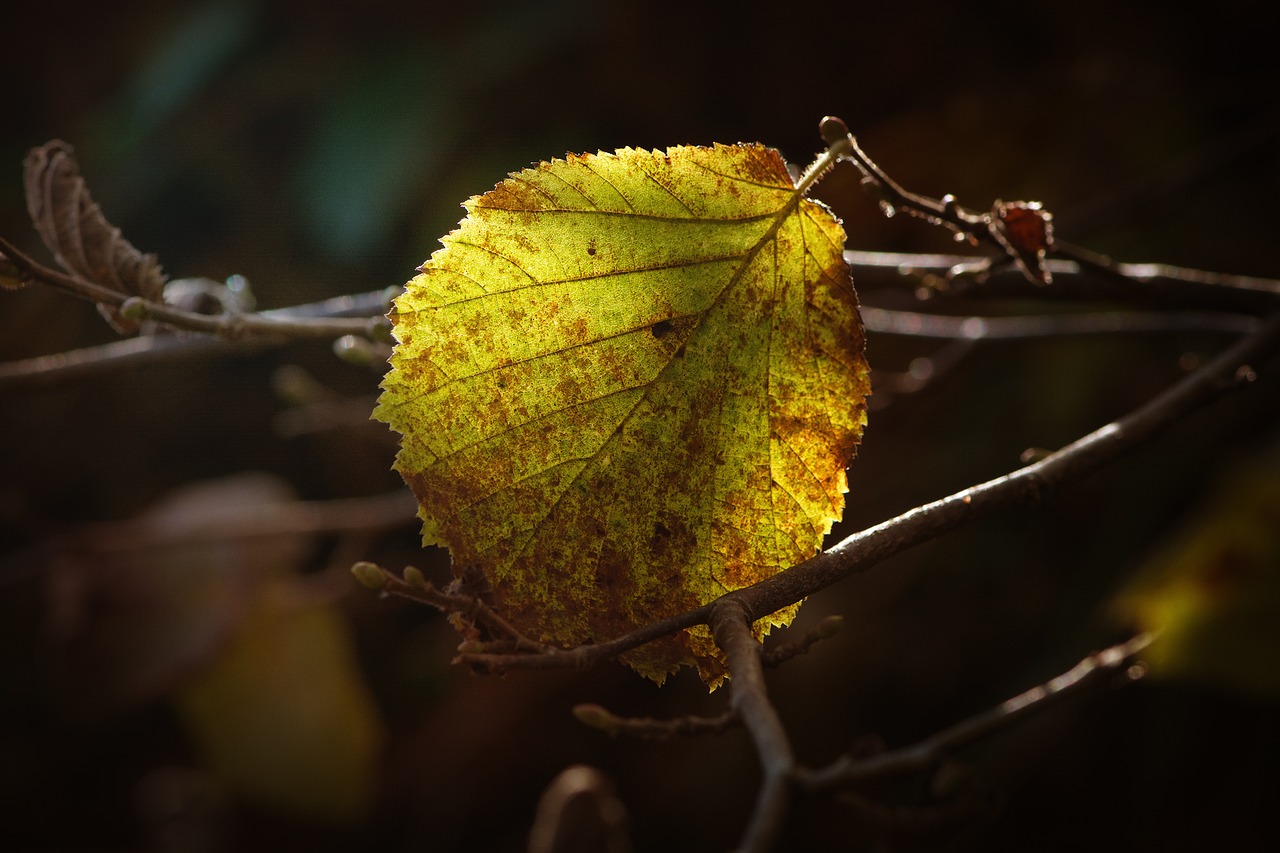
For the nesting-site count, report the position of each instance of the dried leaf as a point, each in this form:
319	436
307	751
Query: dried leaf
1026	230
81	239
627	384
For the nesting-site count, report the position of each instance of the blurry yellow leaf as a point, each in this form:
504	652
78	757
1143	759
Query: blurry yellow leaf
627	384
135	606
283	715
1213	593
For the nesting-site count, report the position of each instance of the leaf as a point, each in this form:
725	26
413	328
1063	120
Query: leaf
73	228
1211	595
283	716
627	384
135	606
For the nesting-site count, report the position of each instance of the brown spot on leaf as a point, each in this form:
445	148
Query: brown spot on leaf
661	329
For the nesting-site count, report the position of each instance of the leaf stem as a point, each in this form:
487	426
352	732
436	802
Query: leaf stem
836	150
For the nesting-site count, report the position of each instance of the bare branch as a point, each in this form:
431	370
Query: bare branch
647	728
866	548
1090	324
50	371
850	771
579	811
246	521
415	587
583	657
749	698
1020	232
233	326
888	267
824	630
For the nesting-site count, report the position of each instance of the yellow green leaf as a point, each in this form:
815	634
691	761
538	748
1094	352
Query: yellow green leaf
283	716
627	384
1211	595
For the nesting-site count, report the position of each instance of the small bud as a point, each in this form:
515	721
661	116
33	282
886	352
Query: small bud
239	289
380	331
596	717
832	129
370	575
353	349
829	627
1033	454
133	308
414	578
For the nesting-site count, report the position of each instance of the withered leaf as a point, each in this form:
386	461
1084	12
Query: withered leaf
627	384
73	228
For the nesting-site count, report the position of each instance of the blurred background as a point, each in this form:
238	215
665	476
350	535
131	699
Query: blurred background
171	683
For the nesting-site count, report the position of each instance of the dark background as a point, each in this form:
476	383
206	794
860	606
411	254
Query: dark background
321	148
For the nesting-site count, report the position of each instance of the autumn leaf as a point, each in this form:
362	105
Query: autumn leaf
283	716
627	384
1211	596
80	237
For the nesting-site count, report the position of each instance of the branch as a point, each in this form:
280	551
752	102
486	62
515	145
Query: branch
647	728
860	551
473	610
864	549
232	326
887	267
850	771
1020	232
1031	327
824	630
50	371
749	699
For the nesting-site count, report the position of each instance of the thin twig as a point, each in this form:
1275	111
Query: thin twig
415	587
749	698
583	657
890	267
1021	328
850	771
875	265
247	521
233	326
824	630
647	728
49	371
1219	285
